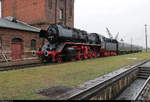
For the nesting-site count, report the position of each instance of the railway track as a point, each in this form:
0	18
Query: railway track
23	66
31	65
144	91
140	88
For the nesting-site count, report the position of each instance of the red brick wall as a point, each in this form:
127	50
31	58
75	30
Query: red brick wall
70	17
29	11
8	34
39	12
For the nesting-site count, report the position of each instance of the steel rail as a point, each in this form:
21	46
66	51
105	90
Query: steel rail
22	66
142	89
31	65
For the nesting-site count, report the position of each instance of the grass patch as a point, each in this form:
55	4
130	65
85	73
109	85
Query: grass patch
22	84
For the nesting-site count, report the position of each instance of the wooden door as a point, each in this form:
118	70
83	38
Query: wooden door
16	51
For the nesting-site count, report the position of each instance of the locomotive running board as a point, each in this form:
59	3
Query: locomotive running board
77	44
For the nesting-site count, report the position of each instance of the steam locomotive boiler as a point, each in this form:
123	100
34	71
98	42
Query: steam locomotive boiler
64	43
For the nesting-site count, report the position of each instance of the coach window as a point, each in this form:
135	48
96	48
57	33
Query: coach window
0	42
33	44
61	14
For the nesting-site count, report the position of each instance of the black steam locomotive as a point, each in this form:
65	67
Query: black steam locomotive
64	43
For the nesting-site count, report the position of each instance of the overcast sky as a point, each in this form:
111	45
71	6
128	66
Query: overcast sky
127	17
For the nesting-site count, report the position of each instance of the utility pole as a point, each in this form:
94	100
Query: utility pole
131	43
146	35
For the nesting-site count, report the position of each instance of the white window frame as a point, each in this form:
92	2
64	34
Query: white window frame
60	14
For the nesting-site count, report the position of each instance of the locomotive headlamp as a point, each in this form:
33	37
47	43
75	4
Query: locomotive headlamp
51	48
46	54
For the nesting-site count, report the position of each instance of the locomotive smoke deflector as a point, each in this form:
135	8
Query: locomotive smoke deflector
50	34
42	34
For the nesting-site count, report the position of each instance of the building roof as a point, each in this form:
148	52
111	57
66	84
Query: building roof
12	23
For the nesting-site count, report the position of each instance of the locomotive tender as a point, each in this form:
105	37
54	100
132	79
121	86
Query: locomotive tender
64	43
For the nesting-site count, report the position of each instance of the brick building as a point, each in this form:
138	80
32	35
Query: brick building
17	38
40	13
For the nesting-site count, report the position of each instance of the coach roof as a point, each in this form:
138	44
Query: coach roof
12	23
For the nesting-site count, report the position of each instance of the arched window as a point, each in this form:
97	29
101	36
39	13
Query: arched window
0	42
33	44
17	40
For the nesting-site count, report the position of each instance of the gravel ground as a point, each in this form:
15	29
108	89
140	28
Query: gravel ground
4	64
132	90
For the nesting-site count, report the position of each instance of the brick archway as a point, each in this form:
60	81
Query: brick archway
17	48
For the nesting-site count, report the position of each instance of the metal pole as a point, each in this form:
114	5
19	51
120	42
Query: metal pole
146	36
131	43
